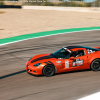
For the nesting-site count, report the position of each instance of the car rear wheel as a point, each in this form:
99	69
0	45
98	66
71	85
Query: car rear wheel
95	65
48	70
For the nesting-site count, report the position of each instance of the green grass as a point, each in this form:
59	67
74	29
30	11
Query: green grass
1	2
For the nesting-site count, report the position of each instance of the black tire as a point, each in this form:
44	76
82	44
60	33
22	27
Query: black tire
48	70
95	65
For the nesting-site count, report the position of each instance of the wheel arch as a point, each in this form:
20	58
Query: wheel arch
92	61
50	63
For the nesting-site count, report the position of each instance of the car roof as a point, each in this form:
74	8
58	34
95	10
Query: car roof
75	47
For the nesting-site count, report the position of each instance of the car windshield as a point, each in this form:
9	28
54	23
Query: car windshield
62	53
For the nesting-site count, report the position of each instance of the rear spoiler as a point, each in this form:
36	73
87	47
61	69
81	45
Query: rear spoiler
97	47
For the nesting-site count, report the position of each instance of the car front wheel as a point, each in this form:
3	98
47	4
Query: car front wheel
48	70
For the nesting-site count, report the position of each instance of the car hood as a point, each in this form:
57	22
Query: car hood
41	57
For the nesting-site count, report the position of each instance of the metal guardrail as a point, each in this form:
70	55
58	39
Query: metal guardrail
79	9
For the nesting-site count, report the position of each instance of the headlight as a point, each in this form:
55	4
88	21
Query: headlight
38	64
30	58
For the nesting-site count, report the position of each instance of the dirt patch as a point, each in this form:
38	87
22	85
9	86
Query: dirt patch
1	12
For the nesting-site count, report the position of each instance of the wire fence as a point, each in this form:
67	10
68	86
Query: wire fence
67	3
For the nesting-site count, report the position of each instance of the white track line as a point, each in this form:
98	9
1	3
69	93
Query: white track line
45	36
95	96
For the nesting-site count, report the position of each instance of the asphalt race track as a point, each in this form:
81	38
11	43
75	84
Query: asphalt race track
16	84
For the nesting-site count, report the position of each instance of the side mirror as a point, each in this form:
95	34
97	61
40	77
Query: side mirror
71	58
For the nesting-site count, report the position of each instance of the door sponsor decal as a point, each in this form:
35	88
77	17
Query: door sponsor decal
77	62
66	64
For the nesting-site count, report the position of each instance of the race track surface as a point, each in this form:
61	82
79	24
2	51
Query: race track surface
16	84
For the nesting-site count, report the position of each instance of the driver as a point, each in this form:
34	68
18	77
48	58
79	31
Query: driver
76	54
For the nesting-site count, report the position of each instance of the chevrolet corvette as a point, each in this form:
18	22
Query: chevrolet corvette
69	58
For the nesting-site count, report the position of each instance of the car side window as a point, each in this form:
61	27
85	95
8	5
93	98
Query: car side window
77	53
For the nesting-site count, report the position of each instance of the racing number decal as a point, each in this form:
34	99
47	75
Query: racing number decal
66	64
77	62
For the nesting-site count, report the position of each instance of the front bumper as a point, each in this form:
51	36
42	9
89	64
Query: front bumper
34	70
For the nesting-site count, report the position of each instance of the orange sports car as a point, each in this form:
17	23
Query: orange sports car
66	59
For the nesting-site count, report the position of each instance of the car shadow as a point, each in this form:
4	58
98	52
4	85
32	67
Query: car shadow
62	73
73	71
19	72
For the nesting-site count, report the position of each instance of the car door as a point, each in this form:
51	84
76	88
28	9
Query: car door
79	62
76	63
